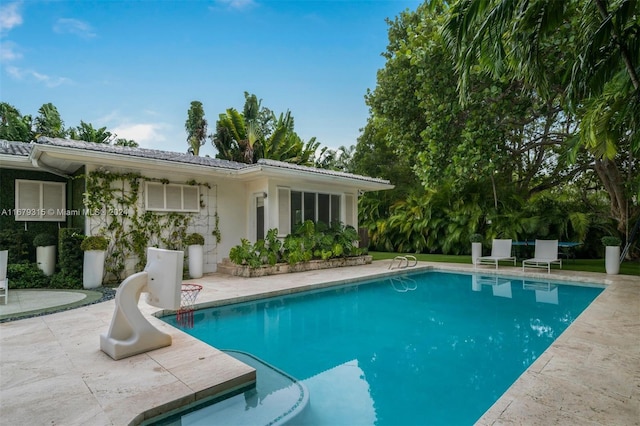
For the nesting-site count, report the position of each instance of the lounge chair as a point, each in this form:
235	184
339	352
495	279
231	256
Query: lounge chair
500	250
546	254
4	282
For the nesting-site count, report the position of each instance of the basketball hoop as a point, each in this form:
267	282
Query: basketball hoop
188	295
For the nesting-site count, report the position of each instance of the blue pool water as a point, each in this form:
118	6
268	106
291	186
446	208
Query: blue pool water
429	348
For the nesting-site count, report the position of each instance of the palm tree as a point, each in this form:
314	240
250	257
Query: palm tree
13	125
48	122
86	132
257	133
196	127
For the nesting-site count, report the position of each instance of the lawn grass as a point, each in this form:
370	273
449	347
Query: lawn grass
586	265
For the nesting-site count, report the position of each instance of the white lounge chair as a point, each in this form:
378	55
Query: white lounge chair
546	254
500	250
4	281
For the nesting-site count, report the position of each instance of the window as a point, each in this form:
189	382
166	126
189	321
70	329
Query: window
172	198
314	206
40	201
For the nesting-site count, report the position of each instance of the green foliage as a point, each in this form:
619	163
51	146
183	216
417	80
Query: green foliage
132	232
13	125
475	238
62	280
26	275
610	240
309	241
86	132
14	241
245	254
257	133
70	254
194	239
196	127
44	240
48	122
94	242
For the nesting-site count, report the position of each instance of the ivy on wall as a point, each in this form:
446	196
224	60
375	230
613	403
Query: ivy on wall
20	232
114	201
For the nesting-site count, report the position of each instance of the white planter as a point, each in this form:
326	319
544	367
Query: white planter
46	259
93	268
196	260
612	259
476	252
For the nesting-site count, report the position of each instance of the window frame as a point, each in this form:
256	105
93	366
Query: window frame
166	209
39	213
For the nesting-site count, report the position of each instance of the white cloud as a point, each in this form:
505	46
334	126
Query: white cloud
27	74
146	134
10	16
73	26
237	4
8	52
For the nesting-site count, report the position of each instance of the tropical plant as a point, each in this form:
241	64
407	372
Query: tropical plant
48	122
257	133
86	132
196	127
13	125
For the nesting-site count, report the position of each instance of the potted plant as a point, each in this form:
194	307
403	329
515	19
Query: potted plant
95	248
476	247
195	244
45	245
612	254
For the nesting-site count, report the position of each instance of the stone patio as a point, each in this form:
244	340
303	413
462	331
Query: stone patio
52	370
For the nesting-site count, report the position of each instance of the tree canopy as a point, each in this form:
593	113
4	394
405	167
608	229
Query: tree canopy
493	148
258	133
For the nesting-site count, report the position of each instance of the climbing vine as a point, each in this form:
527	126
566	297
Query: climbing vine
114	202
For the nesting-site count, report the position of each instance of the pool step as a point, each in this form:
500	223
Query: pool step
276	399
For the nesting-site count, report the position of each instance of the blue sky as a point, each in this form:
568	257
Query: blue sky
135	66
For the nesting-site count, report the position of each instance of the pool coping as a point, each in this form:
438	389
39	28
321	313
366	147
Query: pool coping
62	354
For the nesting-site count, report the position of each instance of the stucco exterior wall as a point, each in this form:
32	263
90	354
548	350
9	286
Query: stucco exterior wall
224	199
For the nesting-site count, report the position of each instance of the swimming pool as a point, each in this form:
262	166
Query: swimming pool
424	348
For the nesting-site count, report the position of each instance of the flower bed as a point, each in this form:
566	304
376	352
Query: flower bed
285	268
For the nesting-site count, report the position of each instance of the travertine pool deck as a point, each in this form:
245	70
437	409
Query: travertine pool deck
52	371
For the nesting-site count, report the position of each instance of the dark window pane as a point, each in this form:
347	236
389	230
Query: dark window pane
335	208
309	206
296	209
323	208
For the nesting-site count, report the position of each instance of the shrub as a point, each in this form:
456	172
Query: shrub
194	239
62	280
44	240
70	253
26	275
610	240
14	241
475	238
94	242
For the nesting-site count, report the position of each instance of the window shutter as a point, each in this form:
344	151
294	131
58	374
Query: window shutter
53	201
28	195
190	198
155	196
349	210
284	211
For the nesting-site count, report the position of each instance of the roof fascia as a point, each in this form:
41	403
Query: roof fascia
120	160
263	170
